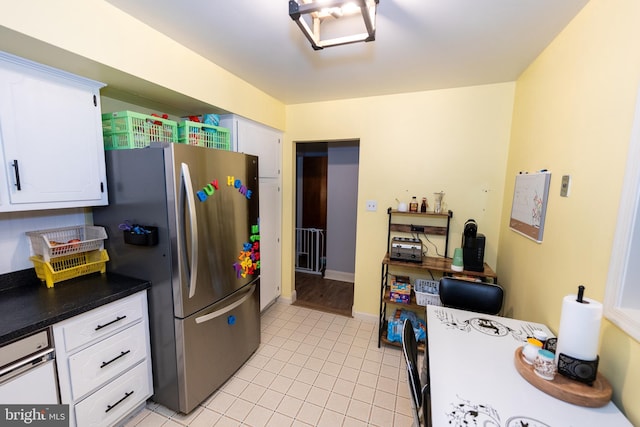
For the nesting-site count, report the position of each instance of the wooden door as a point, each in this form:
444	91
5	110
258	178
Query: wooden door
314	192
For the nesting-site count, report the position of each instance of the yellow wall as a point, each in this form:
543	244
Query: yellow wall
452	140
573	111
97	40
573	115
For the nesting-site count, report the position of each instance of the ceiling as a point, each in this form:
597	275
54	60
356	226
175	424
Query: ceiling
420	44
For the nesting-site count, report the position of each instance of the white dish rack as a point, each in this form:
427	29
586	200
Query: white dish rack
57	242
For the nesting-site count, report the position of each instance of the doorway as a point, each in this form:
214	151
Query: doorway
327	188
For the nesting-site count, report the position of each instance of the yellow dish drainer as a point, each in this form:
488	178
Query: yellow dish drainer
69	252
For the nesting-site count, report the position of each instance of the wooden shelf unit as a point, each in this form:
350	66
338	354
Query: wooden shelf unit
442	265
431	264
439	230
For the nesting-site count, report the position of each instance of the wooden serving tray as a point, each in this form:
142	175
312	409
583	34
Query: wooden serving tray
566	389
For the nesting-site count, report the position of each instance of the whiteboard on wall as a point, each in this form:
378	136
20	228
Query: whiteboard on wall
529	206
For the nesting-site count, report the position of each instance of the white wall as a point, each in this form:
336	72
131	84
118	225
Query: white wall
342	206
15	246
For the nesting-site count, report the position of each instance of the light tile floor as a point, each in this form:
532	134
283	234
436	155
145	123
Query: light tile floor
311	369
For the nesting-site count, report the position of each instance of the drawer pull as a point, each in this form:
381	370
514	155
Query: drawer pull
110	407
122	353
117	319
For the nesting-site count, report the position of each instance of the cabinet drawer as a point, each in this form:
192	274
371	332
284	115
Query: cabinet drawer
107	359
116	399
101	322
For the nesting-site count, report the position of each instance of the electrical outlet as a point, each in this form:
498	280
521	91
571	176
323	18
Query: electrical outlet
417	228
564	186
372	205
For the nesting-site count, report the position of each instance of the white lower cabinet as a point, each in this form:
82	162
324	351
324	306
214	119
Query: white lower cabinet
104	362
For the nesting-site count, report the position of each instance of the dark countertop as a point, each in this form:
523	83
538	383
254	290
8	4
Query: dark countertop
27	305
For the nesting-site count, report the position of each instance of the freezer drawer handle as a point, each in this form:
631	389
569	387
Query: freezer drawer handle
117	319
122	354
227	309
110	407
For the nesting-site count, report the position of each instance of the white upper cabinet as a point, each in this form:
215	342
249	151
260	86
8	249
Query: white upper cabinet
52	153
253	138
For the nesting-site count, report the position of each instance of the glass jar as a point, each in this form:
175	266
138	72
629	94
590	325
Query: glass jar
413	206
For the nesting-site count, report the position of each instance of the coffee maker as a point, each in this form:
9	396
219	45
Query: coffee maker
472	247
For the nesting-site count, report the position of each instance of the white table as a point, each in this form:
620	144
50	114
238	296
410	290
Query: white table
474	381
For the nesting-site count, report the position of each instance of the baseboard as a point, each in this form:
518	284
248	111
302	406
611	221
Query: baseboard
288	300
266	307
365	317
340	276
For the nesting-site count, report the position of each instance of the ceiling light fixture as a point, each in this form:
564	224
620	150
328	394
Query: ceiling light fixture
333	17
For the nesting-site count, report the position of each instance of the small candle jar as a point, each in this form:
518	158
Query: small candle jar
545	365
530	350
541	336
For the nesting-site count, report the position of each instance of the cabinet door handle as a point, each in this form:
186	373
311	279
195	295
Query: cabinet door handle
17	172
110	407
122	353
117	319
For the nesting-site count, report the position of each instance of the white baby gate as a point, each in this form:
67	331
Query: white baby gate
310	250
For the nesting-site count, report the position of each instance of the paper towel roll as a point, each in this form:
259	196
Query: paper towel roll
579	330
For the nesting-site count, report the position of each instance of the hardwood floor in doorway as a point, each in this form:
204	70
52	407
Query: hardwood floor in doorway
333	296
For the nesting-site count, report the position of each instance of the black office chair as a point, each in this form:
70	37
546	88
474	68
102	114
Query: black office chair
472	296
419	393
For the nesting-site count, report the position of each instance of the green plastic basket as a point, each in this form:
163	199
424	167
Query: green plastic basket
194	133
128	129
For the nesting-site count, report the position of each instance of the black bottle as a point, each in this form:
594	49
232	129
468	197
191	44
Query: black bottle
423	207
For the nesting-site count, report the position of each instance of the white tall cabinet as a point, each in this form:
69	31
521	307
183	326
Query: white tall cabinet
253	138
51	149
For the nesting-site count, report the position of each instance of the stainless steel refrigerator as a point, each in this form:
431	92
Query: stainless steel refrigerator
203	263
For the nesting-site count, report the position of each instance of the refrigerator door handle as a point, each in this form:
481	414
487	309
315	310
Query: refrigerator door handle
187	191
218	313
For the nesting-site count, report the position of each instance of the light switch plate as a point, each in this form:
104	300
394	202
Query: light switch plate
565	185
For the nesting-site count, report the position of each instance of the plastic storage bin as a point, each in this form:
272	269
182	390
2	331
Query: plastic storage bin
128	129
57	242
69	266
427	292
149	236
202	135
